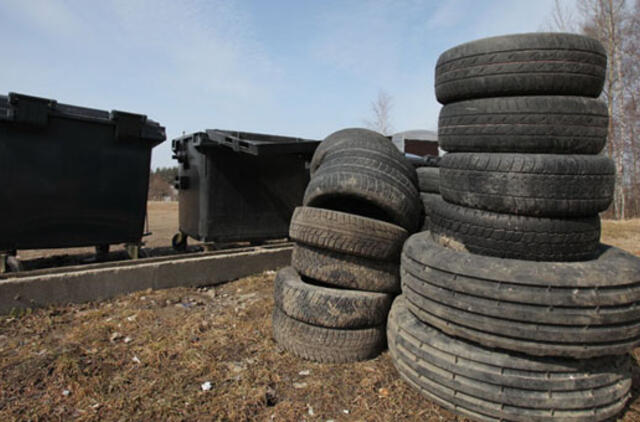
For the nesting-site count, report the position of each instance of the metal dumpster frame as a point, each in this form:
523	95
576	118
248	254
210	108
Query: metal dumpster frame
239	186
74	176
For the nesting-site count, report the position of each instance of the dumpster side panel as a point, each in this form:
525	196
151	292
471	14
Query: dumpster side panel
252	198
191	179
71	184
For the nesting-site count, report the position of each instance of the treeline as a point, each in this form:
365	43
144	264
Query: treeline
167	174
161	184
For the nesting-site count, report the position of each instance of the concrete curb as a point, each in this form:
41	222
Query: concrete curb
79	284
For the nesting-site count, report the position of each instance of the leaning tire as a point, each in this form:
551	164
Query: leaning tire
516	237
347	233
523	64
328	307
395	161
346	271
365	187
571	309
361	140
532	124
328	345
541	185
489	384
427	200
428	179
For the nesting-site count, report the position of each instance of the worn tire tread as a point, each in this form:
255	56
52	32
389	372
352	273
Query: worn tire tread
328	307
346	271
538	185
327	345
530	124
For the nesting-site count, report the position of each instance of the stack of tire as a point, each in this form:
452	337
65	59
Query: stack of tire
360	206
511	308
429	186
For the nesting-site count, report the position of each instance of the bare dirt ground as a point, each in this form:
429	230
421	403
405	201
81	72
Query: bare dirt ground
146	356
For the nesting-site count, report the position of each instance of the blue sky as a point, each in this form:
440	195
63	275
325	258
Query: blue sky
301	68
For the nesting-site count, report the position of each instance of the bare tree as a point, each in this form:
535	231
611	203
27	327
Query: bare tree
381	114
562	18
616	24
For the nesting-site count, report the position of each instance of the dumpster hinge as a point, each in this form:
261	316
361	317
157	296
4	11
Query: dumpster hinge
128	125
25	109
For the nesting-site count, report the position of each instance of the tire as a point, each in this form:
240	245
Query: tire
368	188
522	64
534	124
427	201
328	307
575	310
346	271
428	179
491	385
425	224
347	233
516	237
327	345
361	139
179	242
395	161
540	185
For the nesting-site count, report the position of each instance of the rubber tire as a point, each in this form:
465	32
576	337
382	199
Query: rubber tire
522	64
533	124
426	225
577	310
179	242
427	200
346	271
327	345
395	161
361	139
347	233
493	385
516	237
366	187
329	307
539	185
428	179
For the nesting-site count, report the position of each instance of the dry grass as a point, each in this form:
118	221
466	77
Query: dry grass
623	234
170	342
183	338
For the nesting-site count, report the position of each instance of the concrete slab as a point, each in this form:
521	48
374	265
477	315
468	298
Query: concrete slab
98	282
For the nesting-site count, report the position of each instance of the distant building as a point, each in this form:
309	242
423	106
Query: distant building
419	142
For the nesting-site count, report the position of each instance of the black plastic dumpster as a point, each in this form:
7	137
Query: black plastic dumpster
239	186
72	176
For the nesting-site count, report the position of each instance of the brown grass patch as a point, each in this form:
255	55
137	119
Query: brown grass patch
183	338
170	342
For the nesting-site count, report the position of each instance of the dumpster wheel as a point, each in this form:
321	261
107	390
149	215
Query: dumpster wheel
179	242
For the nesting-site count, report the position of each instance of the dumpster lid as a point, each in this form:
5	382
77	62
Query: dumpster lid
35	111
253	143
